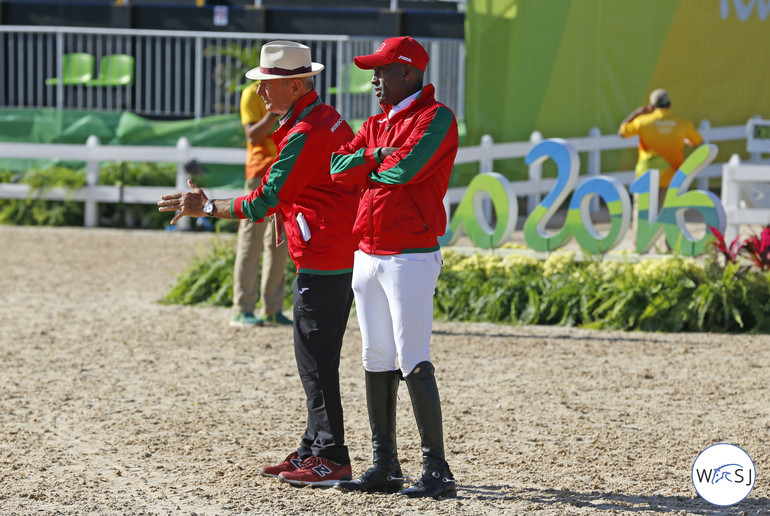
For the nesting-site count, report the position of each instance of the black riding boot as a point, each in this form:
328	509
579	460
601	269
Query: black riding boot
385	474
436	480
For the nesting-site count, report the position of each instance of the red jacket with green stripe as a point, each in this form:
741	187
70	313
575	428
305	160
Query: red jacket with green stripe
401	208
298	182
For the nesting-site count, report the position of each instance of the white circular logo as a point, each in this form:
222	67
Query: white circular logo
723	474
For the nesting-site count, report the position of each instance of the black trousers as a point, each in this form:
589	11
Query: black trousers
321	309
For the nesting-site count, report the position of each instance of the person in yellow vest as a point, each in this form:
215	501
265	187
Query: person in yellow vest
256	237
662	140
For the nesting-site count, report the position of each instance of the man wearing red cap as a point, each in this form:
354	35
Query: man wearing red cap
404	157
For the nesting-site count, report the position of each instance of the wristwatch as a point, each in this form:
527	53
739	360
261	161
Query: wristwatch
208	208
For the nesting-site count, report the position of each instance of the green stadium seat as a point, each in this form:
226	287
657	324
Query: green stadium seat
77	68
114	70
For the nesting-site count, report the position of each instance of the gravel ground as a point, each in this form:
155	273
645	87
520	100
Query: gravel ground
111	403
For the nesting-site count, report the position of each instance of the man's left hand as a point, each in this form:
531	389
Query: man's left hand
187	203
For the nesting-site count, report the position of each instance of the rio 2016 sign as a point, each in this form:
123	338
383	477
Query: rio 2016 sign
578	224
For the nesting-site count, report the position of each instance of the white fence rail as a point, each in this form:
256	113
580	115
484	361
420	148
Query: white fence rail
593	146
93	154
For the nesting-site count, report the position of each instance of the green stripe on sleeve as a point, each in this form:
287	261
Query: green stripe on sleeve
343	162
279	172
421	153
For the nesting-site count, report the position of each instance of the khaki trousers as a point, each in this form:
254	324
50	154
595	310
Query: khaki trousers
253	239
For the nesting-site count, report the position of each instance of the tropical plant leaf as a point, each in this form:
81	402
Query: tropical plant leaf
233	61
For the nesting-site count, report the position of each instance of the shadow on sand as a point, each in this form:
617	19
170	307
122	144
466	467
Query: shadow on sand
605	501
626	337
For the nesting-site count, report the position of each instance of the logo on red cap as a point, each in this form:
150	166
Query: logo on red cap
395	50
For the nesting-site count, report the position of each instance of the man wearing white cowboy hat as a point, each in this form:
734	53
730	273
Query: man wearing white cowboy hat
318	216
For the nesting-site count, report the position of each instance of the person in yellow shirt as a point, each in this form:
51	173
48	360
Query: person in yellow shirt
662	136
256	237
662	140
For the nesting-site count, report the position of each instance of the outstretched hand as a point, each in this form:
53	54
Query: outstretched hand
187	203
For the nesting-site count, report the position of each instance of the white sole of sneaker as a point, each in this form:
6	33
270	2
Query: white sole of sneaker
320	483
242	325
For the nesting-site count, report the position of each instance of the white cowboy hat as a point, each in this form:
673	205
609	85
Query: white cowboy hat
282	60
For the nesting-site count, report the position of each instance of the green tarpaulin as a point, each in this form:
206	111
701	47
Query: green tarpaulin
113	128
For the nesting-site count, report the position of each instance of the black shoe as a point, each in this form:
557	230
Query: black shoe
380	478
434	484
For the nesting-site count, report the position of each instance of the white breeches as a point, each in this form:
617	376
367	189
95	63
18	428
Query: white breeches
394	304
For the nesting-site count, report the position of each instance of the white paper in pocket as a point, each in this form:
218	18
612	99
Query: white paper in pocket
304	230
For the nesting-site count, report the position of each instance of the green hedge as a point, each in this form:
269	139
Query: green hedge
37	212
671	294
209	279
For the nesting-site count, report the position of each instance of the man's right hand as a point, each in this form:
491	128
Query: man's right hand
188	203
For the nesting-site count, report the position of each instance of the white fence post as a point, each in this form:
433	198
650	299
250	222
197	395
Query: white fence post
183	156
731	196
755	156
705	130
535	173
486	163
91	216
594	162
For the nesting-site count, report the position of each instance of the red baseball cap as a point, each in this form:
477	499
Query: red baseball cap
395	50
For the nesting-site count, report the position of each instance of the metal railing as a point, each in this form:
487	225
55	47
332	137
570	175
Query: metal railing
175	72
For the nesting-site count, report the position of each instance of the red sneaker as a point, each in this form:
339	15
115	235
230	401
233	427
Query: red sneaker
317	471
290	463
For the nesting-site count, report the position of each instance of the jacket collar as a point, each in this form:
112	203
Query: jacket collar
426	95
299	110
